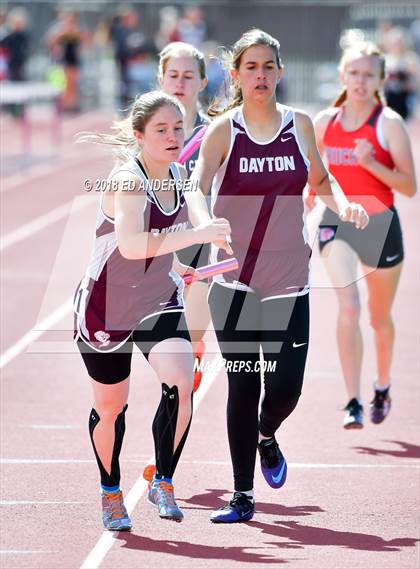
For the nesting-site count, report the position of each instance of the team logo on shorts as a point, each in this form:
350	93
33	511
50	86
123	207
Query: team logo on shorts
326	234
102	337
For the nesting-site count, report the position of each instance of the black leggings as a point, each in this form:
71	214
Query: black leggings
280	326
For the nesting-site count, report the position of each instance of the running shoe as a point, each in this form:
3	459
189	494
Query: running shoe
114	514
354	415
273	463
161	494
380	406
198	355
240	509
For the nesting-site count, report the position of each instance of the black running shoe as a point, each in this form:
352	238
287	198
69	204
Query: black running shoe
380	406
354	415
273	463
240	509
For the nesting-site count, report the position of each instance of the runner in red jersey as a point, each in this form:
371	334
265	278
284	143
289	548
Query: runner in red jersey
368	151
131	294
182	73
257	157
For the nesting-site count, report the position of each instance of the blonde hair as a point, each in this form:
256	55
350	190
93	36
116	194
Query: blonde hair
181	49
232	59
142	111
368	49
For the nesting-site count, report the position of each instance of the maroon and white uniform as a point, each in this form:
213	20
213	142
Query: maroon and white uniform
116	294
259	189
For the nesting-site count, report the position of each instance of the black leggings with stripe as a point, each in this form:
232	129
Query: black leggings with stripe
280	327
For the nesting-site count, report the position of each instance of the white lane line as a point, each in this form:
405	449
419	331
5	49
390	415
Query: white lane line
42	222
326	465
73	158
48	322
22	552
107	539
30	502
45	461
313	465
50	426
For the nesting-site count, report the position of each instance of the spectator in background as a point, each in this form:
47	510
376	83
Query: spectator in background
14	51
15	44
134	54
382	34
65	40
415	34
168	27
402	65
215	73
192	27
3	51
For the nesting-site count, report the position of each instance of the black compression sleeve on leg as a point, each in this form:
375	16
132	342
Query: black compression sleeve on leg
164	427
112	478
181	443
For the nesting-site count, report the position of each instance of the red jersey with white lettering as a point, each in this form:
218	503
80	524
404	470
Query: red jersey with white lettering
116	294
357	183
259	189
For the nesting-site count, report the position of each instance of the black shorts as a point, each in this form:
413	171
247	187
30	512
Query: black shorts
195	255
114	367
379	245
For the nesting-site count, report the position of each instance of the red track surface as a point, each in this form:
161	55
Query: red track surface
351	499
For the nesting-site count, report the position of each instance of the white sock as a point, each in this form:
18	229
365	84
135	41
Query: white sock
262	437
249	493
381	388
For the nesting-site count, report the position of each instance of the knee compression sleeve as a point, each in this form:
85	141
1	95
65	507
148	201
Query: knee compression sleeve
112	478
164	428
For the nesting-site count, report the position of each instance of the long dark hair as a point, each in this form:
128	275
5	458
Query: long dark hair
232	60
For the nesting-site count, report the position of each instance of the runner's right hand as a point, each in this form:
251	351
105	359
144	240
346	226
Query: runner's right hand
216	231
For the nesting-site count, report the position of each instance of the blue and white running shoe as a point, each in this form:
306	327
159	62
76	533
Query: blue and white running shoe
161	494
273	463
114	514
240	509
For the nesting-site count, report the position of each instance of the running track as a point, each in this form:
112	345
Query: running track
351	499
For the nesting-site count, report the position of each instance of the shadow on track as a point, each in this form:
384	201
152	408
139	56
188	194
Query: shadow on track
300	535
407	450
297	535
197	551
212	500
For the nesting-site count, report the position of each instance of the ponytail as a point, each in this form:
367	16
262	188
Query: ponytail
341	98
215	109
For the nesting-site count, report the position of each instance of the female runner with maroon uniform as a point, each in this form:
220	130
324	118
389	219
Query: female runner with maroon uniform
131	294
182	73
257	157
368	151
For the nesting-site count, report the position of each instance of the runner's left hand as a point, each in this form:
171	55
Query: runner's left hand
183	270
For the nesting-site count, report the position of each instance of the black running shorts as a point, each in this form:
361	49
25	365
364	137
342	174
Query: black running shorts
114	367
379	245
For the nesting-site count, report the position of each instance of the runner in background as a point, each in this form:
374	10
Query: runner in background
182	73
367	149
